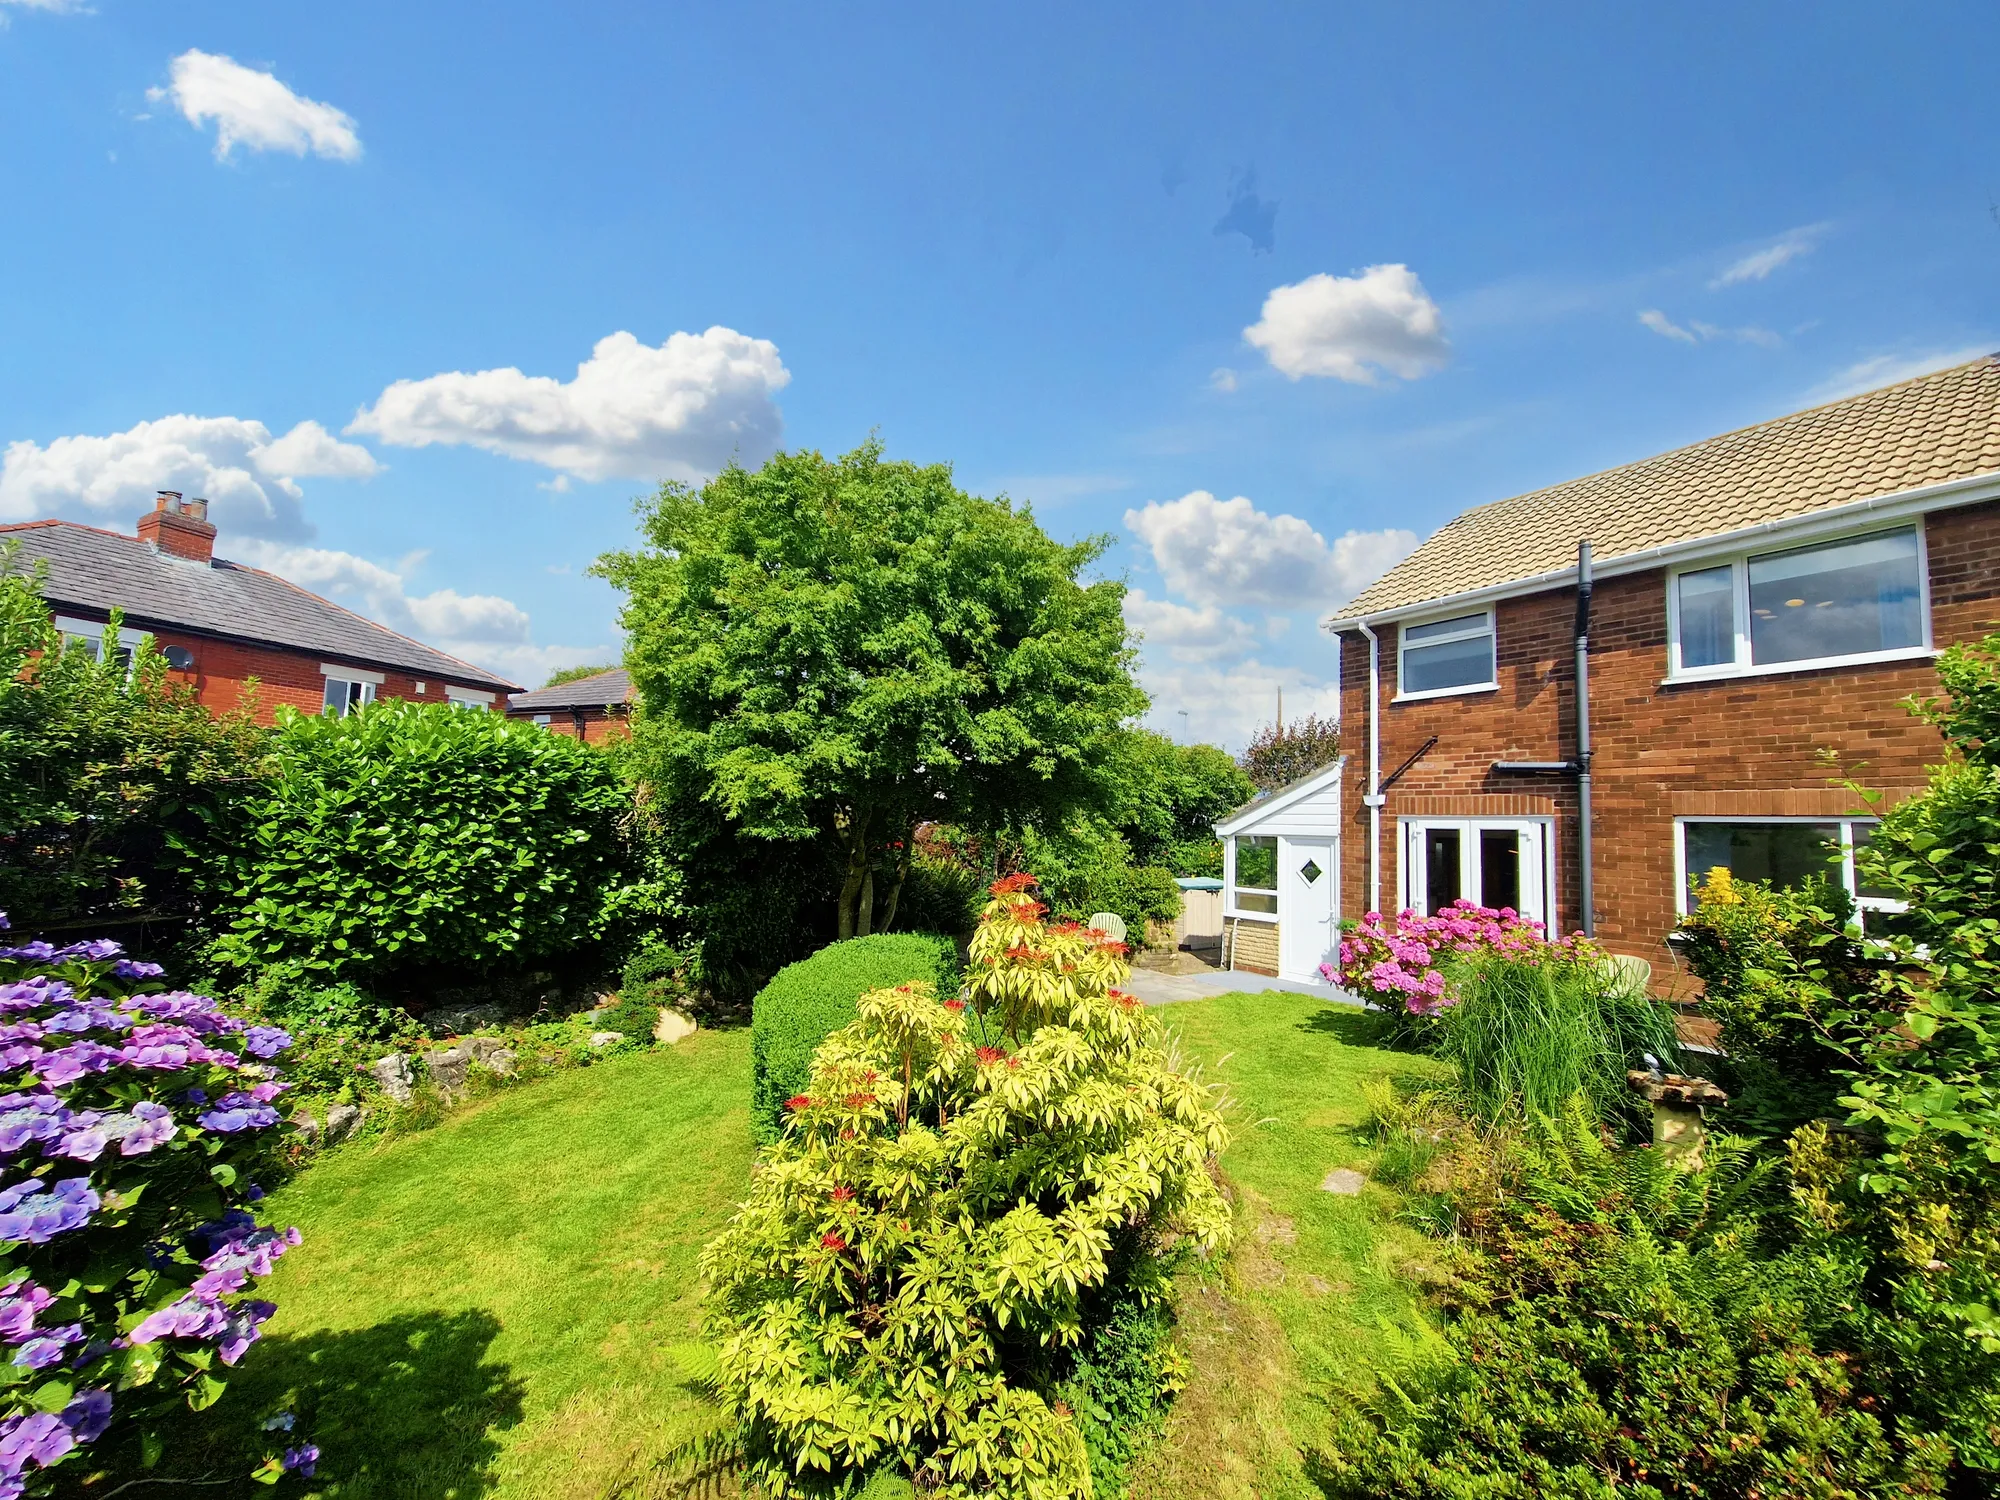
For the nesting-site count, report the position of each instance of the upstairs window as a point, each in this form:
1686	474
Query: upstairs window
1446	656
1858	599
1253	886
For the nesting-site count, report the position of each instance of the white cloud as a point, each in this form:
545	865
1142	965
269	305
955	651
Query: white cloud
1759	264
1227	552
681	411
1185	634
1353	328
484	629
1226	704
53	7
254	110
1889	369
247	476
1224	380
1665	327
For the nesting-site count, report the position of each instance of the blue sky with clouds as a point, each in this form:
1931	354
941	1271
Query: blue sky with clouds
423	295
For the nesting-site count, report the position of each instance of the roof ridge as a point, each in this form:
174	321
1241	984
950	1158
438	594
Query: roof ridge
511	686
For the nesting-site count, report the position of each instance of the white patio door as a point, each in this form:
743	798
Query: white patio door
1308	924
1494	862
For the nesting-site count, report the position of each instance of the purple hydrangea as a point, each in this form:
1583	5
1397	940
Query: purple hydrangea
266	1041
93	950
35	992
88	1415
300	1460
195	1012
251	1251
234	1112
38	1438
37	1212
36	952
46	1347
193	1316
152	1125
19	1306
133	968
88	1016
29	1117
240	1330
77	1060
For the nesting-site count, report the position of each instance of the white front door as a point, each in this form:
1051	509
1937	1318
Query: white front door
1496	862
1308	926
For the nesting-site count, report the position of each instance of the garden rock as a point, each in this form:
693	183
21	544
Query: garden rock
396	1076
491	1052
342	1120
1343	1181
606	1038
463	1018
306	1128
447	1067
673	1027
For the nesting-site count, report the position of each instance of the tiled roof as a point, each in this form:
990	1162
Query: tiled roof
600	691
1926	431
98	570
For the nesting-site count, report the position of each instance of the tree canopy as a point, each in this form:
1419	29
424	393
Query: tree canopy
842	648
575	674
1282	753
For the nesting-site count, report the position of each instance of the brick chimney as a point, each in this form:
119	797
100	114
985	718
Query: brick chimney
179	528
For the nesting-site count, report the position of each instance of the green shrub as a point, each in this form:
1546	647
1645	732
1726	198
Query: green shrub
939	1244
807	1001
654	969
1529	1030
634	1014
337	1030
940	895
408	842
1198	858
112	780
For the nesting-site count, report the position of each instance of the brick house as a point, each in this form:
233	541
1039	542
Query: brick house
1758	603
593	709
221	624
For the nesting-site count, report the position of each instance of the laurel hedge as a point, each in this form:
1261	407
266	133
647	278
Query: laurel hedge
808	1001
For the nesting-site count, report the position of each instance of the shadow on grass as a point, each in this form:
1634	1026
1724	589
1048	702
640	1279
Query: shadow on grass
407	1407
1355	1027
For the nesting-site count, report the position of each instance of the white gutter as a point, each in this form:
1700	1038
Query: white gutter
1972	491
1372	799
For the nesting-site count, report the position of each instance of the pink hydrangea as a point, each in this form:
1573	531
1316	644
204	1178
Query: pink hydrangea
1398	957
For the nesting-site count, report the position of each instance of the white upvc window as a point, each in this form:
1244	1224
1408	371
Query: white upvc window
1851	600
348	689
1252	875
1778	851
1435	658
89	634
463	697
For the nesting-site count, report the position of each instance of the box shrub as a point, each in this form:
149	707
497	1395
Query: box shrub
807	1001
414	840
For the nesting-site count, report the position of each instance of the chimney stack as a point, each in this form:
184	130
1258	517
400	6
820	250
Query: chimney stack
180	528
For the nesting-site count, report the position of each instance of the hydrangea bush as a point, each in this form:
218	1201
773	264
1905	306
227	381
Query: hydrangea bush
947	1216
1403	958
128	1121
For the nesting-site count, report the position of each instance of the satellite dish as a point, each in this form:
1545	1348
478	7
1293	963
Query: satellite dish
179	658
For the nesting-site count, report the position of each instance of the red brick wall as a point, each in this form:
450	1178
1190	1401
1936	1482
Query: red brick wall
598	726
1746	746
223	669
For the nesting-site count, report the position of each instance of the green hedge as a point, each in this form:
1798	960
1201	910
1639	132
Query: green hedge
807	1001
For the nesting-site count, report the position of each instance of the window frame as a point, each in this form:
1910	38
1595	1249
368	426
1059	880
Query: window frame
1846	822
459	697
1492	634
1230	887
90	634
1738	563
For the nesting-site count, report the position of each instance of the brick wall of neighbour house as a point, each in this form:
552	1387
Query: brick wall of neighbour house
1744	747
598	726
1251	945
223	670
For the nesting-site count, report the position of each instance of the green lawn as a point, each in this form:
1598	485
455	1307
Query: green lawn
485	1308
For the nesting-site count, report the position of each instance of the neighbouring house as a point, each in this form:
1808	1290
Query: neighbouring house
222	625
591	708
1761	606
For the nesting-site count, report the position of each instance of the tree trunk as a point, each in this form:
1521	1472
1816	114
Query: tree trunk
896	889
857	871
864	907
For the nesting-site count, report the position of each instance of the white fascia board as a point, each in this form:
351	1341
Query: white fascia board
351	674
1887	508
1251	816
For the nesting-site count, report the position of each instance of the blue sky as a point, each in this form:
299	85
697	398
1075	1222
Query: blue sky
1358	266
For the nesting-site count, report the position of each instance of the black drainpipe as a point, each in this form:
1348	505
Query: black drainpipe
1580	767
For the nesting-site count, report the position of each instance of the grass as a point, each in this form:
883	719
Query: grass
1322	1290
484	1309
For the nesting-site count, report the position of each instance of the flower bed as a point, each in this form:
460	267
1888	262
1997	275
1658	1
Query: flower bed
128	1125
1404	958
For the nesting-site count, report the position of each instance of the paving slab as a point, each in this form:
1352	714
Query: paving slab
1156	988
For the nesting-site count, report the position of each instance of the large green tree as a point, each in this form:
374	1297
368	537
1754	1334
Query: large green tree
1166	799
842	648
